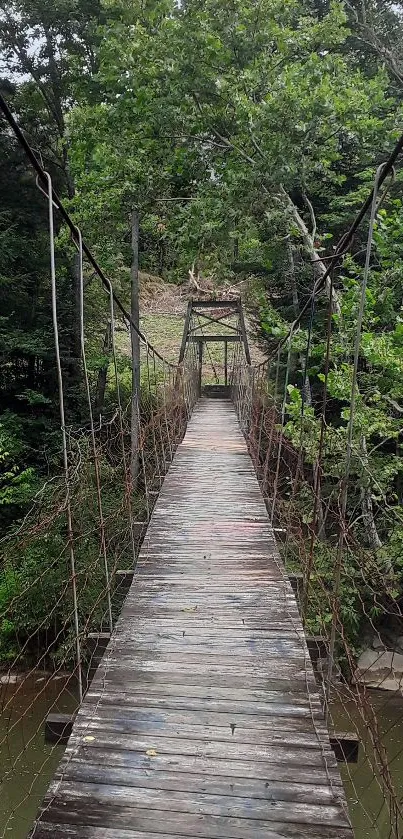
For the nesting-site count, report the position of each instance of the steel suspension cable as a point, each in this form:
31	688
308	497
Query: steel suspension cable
92	430
283	412
274	411
353	397
126	467
318	466
70	535
43	175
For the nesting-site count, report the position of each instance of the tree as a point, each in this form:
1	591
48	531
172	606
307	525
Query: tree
270	118
50	50
377	27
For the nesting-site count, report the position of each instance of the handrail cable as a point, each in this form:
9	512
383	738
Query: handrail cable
342	246
71	224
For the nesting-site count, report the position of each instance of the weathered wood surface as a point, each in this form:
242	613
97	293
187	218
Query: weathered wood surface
203	719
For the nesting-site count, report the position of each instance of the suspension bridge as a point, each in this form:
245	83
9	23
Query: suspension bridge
172	613
204	717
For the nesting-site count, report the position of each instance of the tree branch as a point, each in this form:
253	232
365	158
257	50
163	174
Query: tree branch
372	40
319	268
312	214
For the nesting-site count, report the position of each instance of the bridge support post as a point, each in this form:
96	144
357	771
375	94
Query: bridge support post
345	746
226	363
200	359
58	728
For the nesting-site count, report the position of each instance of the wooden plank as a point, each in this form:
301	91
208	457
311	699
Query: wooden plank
117	813
152	675
278	705
200	764
159	824
66	831
263	639
203	719
148	680
184	662
113	797
233	733
303	793
206	654
285	754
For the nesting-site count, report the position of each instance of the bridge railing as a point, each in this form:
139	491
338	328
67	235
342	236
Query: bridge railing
315	433
65	565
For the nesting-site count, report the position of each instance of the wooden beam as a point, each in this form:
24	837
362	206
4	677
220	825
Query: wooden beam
213	338
218	320
185	332
317	647
346	746
58	728
243	331
215	304
297	582
201	348
125	577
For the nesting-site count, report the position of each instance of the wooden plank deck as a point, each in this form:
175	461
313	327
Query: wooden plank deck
203	719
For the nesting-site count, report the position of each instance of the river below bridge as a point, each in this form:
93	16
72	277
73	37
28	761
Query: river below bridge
367	807
27	764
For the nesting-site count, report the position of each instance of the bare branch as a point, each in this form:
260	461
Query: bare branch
370	38
319	268
312	214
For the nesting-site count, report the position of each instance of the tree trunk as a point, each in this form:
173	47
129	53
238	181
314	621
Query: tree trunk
135	346
103	373
295	302
319	267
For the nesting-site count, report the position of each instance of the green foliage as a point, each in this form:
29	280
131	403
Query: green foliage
36	597
16	483
246	135
371	566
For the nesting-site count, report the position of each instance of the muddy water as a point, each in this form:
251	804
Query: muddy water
367	807
26	763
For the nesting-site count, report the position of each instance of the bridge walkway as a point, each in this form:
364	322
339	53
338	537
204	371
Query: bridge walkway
203	719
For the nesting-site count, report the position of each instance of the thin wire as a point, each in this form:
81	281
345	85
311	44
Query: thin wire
318	468
353	396
274	411
93	439
57	202
64	435
126	469
280	442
